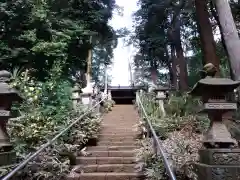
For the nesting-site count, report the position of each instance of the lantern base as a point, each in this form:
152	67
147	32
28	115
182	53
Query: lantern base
218	164
7	158
217	172
218	136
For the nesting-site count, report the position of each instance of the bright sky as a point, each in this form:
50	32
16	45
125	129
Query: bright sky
122	54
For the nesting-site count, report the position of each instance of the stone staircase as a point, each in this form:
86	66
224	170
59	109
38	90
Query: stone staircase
114	157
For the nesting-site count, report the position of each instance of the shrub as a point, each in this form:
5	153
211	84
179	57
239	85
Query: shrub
108	104
180	131
46	110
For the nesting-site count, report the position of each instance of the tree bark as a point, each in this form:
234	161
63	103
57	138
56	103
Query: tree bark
174	67
214	13
183	78
89	64
230	35
208	45
154	75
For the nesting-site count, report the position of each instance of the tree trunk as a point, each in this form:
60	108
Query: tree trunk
230	35
174	63
222	38
169	64
208	45
154	75
174	67
89	64
153	67
181	60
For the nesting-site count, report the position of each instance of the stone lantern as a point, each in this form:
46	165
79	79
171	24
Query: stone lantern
160	92
218	159
7	95
76	96
87	94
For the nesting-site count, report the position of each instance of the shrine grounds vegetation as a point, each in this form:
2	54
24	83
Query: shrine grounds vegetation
49	40
180	133
45	45
46	110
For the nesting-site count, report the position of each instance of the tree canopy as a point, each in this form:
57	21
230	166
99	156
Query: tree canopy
41	34
179	36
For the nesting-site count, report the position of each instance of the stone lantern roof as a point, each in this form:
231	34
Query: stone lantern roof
6	89
214	85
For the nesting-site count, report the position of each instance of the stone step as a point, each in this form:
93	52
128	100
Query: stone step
117	125
120	125
117	128
109	168
126	153
105	131
105	160
105	176
117	143
113	148
111	138
114	135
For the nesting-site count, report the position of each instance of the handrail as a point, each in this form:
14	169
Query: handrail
157	142
44	146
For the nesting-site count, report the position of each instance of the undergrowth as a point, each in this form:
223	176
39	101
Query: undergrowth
46	110
180	132
108	104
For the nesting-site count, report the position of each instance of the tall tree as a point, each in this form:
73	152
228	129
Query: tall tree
230	35
183	85
208	45
40	34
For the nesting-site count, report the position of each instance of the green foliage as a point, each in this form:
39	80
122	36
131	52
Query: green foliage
50	41
182	105
47	110
180	110
39	34
195	63
153	167
108	104
151	105
52	105
180	131
156	38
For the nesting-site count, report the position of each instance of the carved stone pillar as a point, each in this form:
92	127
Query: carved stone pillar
7	95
